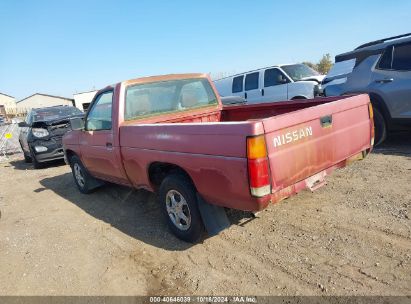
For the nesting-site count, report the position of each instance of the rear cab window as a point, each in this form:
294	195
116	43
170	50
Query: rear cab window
164	97
251	81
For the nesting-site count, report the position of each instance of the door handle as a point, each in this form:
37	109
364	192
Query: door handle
109	145
245	95
262	92
326	121
386	80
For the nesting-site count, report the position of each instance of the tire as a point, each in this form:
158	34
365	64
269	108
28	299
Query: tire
380	127
178	189
36	164
84	181
27	158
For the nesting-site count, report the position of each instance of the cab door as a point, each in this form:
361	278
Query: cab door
392	80
98	152
275	86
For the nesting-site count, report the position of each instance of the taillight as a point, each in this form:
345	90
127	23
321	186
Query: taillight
258	168
371	113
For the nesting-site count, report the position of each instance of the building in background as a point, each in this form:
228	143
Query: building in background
39	100
7	101
82	100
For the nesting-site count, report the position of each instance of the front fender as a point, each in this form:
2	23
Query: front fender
71	142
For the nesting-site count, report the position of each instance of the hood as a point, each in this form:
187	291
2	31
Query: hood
59	121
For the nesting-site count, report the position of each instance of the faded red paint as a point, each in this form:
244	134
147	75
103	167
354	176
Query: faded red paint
210	145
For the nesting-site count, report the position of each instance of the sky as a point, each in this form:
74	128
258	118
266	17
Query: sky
64	47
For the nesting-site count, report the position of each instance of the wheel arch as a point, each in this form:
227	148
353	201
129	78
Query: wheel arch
158	171
69	154
299	97
378	102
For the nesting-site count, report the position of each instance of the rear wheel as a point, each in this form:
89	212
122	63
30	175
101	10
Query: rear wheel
177	197
380	127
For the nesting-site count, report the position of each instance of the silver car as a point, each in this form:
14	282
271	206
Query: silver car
382	69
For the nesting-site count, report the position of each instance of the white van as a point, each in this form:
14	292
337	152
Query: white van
275	83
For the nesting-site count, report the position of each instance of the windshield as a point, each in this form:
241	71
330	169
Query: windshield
47	114
299	71
155	98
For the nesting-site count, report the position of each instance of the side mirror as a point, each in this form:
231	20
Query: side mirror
77	123
23	124
281	79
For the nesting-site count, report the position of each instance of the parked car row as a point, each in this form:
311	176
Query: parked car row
381	69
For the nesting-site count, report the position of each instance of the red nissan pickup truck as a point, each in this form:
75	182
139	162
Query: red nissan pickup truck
171	134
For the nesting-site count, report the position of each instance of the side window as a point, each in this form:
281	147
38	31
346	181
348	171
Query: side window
251	81
99	116
402	57
273	77
238	84
385	62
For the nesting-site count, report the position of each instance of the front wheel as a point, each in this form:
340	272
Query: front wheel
27	158
84	181
36	164
177	197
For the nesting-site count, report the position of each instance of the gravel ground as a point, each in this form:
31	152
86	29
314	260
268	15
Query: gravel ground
351	237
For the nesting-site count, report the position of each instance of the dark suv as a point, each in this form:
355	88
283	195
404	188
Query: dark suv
382	69
42	131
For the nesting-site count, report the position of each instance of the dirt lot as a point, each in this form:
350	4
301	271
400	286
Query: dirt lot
352	236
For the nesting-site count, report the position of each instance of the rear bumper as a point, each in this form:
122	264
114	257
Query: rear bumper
53	150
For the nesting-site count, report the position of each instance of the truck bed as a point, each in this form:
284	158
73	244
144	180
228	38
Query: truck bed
211	146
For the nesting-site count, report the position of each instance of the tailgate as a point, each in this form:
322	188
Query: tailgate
303	143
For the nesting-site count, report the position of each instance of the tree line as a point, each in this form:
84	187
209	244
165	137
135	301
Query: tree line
323	66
